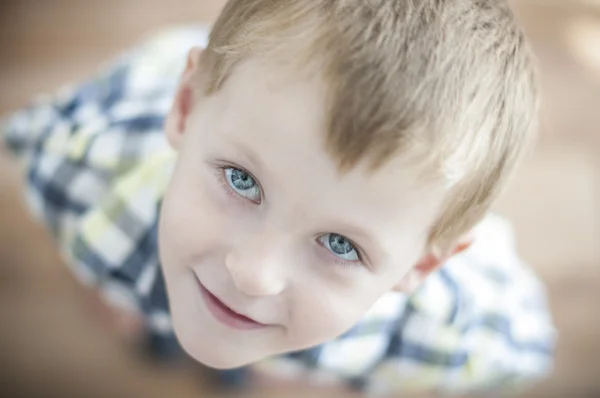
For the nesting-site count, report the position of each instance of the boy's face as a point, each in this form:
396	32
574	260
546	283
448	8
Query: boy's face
258	221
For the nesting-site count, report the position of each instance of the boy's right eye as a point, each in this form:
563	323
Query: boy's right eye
340	246
243	184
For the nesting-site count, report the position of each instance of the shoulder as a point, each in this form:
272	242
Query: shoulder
489	277
115	116
491	309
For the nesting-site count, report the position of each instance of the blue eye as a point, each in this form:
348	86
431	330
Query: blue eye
243	184
340	246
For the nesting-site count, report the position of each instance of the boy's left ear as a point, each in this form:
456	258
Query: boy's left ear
429	263
185	96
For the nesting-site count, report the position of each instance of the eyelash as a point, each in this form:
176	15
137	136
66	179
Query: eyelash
220	171
339	261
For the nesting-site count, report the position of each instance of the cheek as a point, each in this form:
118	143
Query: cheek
191	226
323	313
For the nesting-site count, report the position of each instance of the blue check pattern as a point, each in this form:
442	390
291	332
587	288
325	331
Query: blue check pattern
97	165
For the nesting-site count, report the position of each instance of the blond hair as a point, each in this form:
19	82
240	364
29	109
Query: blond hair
452	79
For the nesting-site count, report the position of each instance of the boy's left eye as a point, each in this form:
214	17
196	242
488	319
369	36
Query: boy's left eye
340	246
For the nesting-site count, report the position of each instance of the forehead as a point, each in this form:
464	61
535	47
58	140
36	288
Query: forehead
276	117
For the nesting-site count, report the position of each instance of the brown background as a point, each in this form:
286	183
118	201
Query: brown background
51	345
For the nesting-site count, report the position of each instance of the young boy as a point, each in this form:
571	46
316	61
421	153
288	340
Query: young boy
310	188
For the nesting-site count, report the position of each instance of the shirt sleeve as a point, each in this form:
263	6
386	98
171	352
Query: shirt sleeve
51	139
481	323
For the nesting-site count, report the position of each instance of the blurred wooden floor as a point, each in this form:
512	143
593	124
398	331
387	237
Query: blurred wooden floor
51	346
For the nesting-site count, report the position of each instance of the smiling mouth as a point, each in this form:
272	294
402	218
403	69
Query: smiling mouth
226	315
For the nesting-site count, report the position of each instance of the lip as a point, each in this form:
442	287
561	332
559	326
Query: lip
226	315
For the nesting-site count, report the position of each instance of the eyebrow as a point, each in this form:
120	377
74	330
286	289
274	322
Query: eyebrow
248	155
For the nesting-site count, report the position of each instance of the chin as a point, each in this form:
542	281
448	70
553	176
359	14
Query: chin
218	360
216	355
219	363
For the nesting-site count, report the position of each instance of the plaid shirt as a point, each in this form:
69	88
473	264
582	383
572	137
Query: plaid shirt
97	165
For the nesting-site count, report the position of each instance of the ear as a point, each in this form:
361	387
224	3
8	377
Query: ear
185	96
429	263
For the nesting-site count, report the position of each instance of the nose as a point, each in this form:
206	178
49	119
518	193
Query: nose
256	266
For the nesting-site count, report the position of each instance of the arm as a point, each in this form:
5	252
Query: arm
72	148
50	140
31	262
